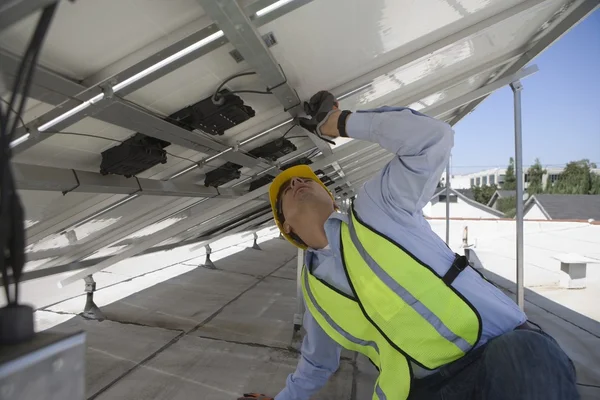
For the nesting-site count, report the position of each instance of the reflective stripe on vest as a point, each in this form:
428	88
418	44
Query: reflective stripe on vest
406	300
342	319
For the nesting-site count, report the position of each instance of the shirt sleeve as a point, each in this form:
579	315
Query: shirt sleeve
422	147
319	359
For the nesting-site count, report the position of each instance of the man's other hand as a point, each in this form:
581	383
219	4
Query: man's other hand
254	396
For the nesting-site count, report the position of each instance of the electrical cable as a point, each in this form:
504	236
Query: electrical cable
289	130
248	91
12	235
13	111
216	96
298	137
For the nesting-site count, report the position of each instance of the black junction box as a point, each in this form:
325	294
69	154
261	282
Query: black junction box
134	155
212	118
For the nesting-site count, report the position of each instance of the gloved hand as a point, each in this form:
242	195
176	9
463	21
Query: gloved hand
319	108
255	396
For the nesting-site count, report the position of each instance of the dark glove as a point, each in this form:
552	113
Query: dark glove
254	396
318	108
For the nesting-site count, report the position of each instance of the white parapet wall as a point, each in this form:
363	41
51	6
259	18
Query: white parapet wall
494	242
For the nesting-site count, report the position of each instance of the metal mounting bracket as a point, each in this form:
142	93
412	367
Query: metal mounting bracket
91	310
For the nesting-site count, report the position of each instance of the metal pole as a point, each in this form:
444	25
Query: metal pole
299	315
448	203
516	88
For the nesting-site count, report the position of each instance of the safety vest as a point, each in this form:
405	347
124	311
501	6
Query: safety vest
401	310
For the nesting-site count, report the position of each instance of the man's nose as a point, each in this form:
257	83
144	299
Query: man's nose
295	181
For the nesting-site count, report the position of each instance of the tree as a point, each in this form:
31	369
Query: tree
595	183
510	180
535	173
577	178
484	193
508	206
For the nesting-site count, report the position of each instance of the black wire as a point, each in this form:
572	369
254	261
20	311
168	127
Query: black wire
217	95
13	111
246	91
12	235
288	131
297	137
229	79
34	51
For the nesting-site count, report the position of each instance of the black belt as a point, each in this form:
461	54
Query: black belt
458	266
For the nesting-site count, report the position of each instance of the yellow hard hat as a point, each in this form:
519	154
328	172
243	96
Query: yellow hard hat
298	171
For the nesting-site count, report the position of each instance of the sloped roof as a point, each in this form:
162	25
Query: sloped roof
467	193
567	206
506	193
502	194
470	201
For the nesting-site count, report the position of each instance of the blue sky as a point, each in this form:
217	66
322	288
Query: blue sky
561	109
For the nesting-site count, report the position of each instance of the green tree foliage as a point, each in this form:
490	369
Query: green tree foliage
510	180
535	174
484	193
576	179
595	183
508	206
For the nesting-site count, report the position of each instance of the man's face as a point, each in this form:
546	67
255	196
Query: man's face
302	201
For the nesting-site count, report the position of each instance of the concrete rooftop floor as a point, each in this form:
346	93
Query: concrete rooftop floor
215	334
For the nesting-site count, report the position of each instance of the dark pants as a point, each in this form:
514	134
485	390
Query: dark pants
522	364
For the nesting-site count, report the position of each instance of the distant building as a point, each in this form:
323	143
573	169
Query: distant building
462	205
563	206
496	176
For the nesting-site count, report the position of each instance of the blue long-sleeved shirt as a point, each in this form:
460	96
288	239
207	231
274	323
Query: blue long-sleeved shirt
392	201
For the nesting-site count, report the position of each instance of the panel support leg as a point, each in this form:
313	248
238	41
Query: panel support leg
299	315
517	87
448	203
255	245
208	262
91	310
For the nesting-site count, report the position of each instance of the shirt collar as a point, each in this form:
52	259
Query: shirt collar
331	228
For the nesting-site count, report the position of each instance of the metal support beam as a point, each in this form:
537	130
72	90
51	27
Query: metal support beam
132	117
240	32
59	269
12	11
130	222
582	10
243	35
454	103
33	177
198	215
48	86
517	88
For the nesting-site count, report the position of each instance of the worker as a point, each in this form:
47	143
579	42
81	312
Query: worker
379	281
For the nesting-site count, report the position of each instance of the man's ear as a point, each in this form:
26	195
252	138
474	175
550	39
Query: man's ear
287	229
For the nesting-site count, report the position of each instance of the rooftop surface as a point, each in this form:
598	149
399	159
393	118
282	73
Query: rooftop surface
175	330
